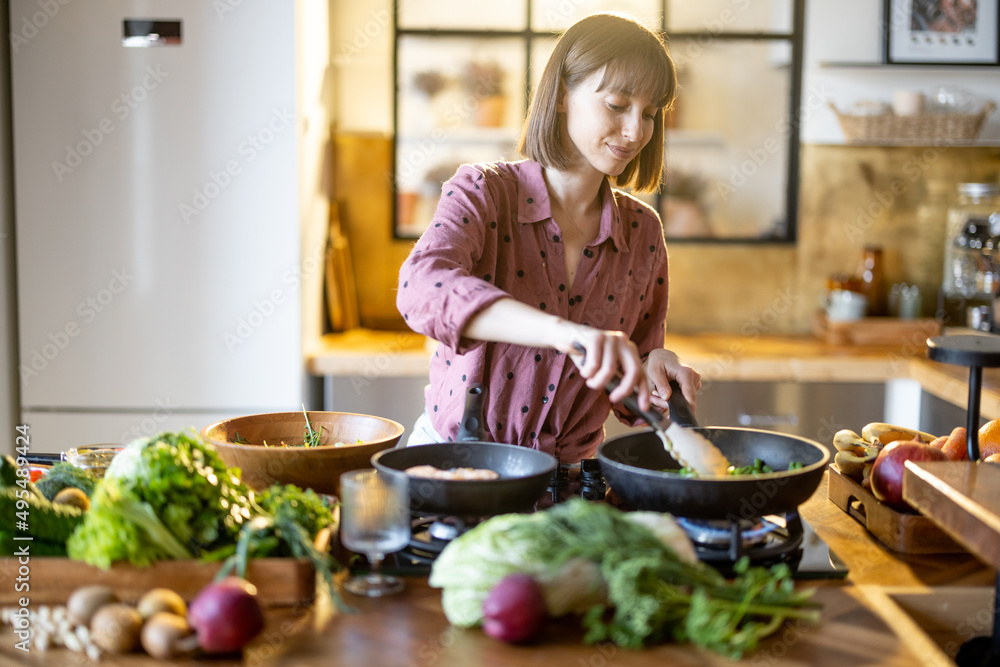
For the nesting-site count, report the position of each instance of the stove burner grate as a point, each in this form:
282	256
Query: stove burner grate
720	533
764	541
431	533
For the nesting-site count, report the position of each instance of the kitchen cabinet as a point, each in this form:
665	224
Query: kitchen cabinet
814	410
398	398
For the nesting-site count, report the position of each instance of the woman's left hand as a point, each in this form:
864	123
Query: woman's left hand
662	366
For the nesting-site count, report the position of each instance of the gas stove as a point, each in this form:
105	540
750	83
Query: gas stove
429	534
765	541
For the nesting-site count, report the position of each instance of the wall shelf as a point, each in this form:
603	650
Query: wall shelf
989	143
902	67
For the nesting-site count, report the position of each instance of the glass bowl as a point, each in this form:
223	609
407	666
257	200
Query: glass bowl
95	458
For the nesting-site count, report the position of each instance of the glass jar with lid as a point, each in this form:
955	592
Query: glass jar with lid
968	282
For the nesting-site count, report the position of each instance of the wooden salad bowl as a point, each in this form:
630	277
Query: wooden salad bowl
268	449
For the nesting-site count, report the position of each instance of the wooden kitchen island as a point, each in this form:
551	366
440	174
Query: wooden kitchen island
410	629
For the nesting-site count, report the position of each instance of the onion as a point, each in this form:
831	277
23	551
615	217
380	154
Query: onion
226	615
514	611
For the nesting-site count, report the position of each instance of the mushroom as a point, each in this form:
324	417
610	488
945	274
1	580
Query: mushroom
116	627
161	599
84	601
166	635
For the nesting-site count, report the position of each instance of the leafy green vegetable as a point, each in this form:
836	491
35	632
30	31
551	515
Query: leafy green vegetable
169	496
8	471
9	547
312	438
758	467
12	476
172	497
64	475
654	600
755	468
263	533
303	506
636	587
560	547
48	524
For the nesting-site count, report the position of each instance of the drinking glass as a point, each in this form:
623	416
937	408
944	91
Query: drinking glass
375	521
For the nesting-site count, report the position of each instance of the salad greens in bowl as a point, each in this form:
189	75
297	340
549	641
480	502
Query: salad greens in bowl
308	449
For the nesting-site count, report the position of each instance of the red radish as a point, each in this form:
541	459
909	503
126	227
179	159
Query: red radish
514	611
226	616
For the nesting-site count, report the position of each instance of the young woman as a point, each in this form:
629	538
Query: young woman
526	262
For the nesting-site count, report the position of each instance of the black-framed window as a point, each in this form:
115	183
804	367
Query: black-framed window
463	73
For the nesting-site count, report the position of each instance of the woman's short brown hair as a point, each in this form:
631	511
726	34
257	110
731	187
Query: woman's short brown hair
635	61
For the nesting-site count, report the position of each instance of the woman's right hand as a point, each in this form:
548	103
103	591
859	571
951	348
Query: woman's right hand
607	354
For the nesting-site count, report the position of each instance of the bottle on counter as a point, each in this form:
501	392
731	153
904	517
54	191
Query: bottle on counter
873	280
969	280
924	259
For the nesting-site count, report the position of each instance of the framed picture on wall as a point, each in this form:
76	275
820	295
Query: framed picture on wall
942	32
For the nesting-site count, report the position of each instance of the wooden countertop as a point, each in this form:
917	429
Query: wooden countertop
410	628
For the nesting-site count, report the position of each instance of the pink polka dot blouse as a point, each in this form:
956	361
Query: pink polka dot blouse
493	236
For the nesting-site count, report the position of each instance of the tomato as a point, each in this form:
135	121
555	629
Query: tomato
37	474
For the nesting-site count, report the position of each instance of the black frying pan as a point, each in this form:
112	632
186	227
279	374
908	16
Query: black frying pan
637	468
524	473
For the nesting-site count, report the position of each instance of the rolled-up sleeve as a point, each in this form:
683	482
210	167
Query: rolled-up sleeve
445	280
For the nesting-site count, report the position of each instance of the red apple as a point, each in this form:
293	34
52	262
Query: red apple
887	472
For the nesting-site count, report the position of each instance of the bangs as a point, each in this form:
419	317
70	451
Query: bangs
641	73
634	58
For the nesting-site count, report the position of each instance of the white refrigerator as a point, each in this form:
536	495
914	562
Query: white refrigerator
160	226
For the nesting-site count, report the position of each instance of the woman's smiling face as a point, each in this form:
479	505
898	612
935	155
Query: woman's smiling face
606	127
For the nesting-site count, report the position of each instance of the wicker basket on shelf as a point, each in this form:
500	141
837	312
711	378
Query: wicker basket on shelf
924	128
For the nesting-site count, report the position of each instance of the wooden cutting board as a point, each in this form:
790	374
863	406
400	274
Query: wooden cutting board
961	497
341	289
279	581
874	330
901	532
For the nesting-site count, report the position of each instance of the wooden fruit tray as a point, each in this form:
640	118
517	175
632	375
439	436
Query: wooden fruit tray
875	330
898	531
279	581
